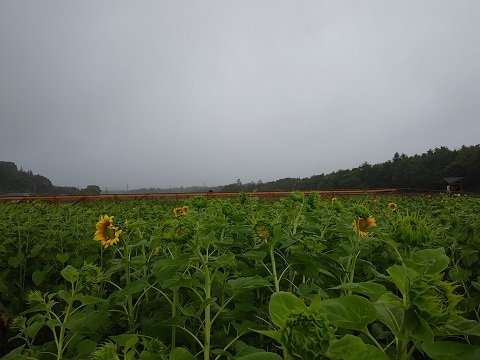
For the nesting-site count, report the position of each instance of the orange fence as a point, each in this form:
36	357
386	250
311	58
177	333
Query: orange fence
177	196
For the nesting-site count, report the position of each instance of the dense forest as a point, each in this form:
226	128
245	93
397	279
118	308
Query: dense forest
17	181
425	171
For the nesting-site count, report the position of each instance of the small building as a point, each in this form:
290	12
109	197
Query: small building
454	184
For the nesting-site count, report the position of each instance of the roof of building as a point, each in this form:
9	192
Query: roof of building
452	180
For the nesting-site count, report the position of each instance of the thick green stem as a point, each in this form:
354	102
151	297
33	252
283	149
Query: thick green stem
61	337
126	258
274	270
207	324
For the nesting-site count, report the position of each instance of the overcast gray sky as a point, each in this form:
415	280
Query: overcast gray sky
180	93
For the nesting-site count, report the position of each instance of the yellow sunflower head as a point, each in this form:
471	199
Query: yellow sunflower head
106	233
178	212
333	201
184	210
363	224
392	206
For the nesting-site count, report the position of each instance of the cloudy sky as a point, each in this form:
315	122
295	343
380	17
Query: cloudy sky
179	93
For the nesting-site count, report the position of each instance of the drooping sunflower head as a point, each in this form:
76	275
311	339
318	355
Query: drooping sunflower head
263	231
362	224
392	206
434	299
106	233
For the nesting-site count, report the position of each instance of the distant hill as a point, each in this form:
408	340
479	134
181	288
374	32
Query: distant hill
425	171
13	180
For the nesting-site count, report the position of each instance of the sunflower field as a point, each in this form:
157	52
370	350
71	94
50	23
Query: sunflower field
298	278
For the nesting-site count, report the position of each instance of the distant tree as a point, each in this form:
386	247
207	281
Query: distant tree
92	190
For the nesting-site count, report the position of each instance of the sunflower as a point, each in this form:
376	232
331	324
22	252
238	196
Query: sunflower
363	224
178	212
106	233
184	210
333	201
263	230
392	206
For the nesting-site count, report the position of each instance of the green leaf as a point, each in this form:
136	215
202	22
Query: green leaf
165	269
370	289
181	354
241	284
447	350
15	261
417	327
86	347
350	312
135	287
63	258
39	275
259	356
401	276
70	274
257	255
282	303
428	261
352	347
224	260
16	354
462	326
124	339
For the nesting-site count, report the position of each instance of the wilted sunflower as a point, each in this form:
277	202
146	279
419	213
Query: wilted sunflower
392	206
106	233
363	224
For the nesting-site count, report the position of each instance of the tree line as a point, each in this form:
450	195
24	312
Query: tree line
425	171
18	181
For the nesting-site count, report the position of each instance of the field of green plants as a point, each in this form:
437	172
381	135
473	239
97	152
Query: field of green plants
298	278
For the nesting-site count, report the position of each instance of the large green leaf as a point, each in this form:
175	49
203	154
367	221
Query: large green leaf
350	312
352	347
428	261
259	356
241	284
462	326
165	269
181	354
417	327
283	303
70	273
401	276
370	289
447	350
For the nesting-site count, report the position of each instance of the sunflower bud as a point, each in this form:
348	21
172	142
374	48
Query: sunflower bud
34	297
411	229
307	334
90	276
